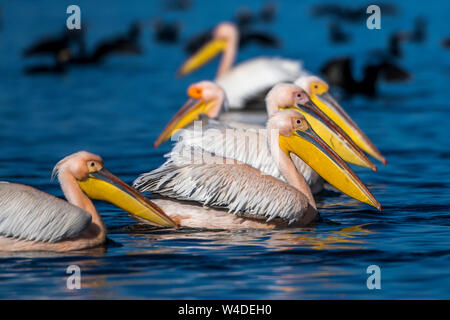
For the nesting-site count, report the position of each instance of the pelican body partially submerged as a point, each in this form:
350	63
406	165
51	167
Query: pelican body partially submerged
31	220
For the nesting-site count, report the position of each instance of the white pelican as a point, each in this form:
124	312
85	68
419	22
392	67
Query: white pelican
247	143
253	78
249	79
318	92
31	220
205	186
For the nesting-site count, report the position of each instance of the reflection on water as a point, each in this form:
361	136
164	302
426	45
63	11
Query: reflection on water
345	238
279	240
92	252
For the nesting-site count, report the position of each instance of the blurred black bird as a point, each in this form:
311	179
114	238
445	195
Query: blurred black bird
386	61
445	43
349	14
124	44
244	16
246	37
268	11
393	50
177	5
338	72
337	34
127	42
419	33
262	38
394	46
339	12
59	67
165	31
394	43
55	44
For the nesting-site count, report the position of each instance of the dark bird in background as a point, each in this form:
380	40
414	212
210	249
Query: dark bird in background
261	38
245	17
394	43
393	51
56	43
391	72
337	34
177	5
445	43
394	46
338	72
388	62
68	49
127	42
123	44
419	33
166	32
349	14
102	50
396	39
246	37
268	11
338	12
59	67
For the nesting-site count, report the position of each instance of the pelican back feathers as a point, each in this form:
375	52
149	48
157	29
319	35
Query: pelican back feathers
246	145
226	184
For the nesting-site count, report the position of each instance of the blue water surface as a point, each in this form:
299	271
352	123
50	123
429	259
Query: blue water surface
117	110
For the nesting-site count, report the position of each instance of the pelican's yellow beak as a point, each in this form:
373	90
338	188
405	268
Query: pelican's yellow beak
309	147
191	111
202	56
103	185
334	136
327	104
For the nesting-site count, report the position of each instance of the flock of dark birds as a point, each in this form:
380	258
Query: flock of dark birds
68	48
385	63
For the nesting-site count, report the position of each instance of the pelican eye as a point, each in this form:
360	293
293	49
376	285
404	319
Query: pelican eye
195	92
300	95
301	124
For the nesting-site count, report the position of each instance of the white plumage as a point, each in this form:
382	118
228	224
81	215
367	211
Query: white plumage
217	183
253	78
29	214
246	144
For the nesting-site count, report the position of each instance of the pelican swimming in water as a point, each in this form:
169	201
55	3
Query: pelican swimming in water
199	189
246	142
31	220
249	79
317	90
